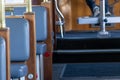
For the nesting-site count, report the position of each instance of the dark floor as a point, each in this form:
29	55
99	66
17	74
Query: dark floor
59	74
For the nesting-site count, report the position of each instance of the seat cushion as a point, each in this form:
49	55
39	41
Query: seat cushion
2	59
18	70
19	38
40	48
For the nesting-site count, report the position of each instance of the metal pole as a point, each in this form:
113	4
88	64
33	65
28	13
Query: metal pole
59	13
29	6
103	20
102	15
2	14
61	27
61	18
45	0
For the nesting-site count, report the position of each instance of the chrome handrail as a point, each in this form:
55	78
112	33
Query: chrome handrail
60	18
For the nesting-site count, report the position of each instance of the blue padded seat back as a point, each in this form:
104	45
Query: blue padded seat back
19	38
2	59
40	19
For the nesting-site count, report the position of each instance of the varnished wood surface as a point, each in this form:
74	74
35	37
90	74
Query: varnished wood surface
48	60
5	33
72	9
32	59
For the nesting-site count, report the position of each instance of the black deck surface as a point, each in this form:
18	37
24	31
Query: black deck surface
88	34
88	40
82	42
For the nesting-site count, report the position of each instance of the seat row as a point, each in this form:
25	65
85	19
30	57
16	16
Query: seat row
20	44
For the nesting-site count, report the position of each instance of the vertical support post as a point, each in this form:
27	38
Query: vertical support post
4	32
31	63
32	60
2	14
45	0
103	20
48	59
102	15
29	6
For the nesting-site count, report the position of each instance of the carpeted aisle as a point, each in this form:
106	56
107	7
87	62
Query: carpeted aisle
92	70
101	71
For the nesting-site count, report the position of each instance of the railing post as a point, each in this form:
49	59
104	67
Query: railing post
103	20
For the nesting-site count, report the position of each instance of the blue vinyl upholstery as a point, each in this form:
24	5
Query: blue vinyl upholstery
41	48
18	70
41	20
2	59
19	38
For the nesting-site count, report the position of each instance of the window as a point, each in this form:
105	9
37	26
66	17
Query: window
14	1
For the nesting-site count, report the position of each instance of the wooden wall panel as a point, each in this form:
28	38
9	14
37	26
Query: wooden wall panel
65	7
72	9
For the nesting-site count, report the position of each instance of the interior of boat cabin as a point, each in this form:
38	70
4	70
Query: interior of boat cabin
59	39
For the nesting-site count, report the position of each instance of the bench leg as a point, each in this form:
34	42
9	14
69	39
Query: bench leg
40	67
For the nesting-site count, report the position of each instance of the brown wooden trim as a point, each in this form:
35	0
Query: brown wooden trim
5	34
48	60
32	60
55	28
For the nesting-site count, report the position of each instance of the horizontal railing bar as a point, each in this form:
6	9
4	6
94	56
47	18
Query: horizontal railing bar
95	20
15	5
20	16
88	51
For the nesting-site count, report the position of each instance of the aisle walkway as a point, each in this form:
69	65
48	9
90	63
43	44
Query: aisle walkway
59	74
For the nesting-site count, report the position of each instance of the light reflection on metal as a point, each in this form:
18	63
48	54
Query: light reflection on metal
29	6
45	0
60	18
2	14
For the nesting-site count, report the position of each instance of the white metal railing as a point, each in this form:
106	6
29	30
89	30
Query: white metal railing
102	20
60	18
